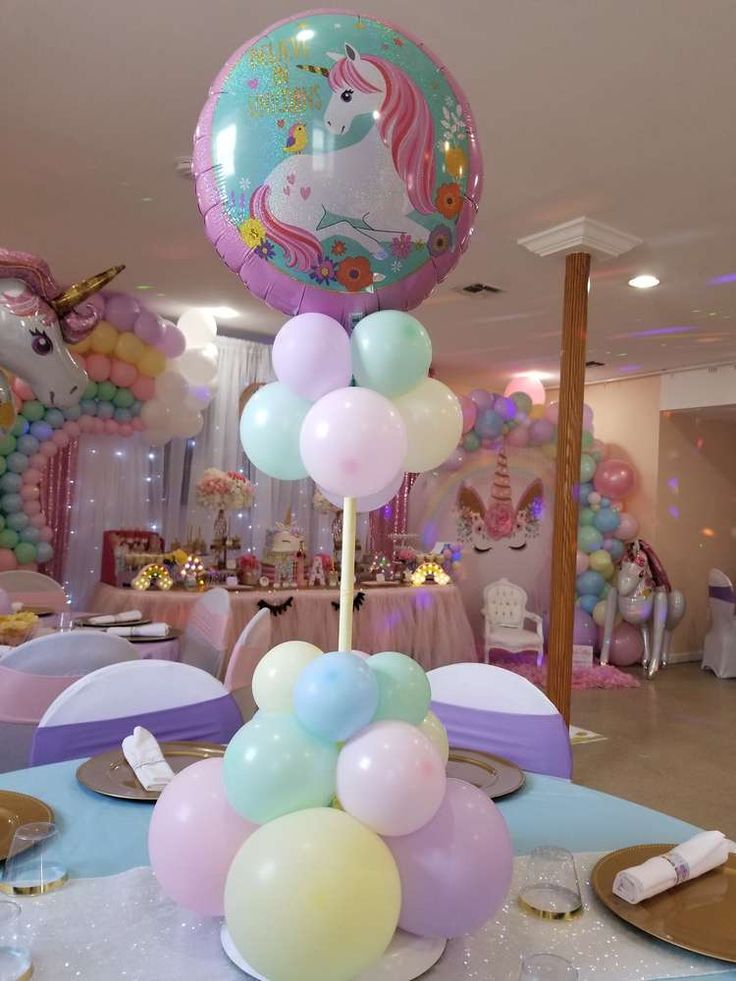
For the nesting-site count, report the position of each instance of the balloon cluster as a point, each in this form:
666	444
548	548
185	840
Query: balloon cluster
353	413
331	820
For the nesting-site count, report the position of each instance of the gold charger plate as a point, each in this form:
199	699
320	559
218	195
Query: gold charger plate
491	774
111	775
699	915
173	634
15	810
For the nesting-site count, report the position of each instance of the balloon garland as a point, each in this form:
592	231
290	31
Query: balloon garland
146	375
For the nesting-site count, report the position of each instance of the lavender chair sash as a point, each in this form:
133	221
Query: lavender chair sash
539	743
215	721
724	593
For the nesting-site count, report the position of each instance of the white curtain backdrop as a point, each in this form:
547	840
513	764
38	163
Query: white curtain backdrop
123	483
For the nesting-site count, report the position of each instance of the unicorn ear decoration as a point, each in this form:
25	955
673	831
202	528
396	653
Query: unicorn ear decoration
385	124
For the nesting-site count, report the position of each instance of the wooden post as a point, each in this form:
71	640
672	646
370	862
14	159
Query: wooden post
569	437
347	575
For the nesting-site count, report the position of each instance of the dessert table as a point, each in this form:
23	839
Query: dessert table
103	836
427	622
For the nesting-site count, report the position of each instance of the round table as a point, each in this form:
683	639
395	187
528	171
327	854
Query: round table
103	836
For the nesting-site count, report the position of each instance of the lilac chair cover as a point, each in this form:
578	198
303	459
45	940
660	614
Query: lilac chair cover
214	721
538	743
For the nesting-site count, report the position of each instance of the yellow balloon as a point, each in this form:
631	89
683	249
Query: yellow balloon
81	347
599	613
129	348
437	735
312	896
103	338
277	671
536	412
151	362
600	561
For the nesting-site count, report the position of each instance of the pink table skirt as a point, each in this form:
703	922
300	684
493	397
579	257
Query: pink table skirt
429	623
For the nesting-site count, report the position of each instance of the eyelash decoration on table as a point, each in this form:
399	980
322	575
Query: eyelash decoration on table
276	609
358	601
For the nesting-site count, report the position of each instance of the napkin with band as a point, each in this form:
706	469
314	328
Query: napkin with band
144	630
108	619
144	755
694	857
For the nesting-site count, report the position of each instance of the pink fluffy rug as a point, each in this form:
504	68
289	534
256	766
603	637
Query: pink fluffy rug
582	677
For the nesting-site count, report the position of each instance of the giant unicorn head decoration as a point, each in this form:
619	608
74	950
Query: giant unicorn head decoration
499	521
38	319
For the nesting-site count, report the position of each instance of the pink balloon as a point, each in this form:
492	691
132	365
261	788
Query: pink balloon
85	424
192	818
29	567
111	427
627	645
32	476
23	390
391	778
98	426
373	501
72	428
49	449
60	438
47	534
614	478
143	388
38	520
627	528
149	328
581	563
541	431
519	436
552	412
470	411
31	508
29	493
138	425
123	374
98	367
456	870
353	442
37	461
125	429
584	628
8	561
530	386
173	343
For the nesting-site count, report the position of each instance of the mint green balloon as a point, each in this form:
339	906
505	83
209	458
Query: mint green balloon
3	465
90	391
2	522
587	442
106	391
589	539
391	352
7	445
586	516
403	687
8	538
25	552
270	428
20	426
587	468
273	767
33	410
124	398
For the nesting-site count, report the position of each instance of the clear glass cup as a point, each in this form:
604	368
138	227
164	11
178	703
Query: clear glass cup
35	863
15	957
546	967
551	888
65	621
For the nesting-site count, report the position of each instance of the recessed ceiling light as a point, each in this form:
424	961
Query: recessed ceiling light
144	287
222	313
644	282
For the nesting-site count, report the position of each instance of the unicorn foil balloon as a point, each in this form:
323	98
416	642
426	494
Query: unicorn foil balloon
37	320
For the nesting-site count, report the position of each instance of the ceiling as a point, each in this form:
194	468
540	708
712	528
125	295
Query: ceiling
615	109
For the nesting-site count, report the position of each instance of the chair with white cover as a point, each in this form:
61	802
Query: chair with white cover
173	701
253	643
505	613
34	589
33	674
6	605
719	646
204	641
497	711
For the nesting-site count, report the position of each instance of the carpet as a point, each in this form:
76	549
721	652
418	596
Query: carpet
583	677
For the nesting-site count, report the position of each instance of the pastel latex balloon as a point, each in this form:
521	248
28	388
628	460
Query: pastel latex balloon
270	431
529	386
276	674
369	502
614	479
437	734
311	355
433	419
335	696
391	352
403	687
628	527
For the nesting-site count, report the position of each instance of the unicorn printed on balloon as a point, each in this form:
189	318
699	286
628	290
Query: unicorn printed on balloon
337	166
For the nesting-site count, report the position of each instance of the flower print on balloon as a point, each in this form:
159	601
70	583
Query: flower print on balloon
343	153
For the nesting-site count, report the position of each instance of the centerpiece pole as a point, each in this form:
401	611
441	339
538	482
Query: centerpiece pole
347	575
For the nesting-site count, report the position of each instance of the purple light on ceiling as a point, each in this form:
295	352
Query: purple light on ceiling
720	280
660	331
674	485
627	369
675	512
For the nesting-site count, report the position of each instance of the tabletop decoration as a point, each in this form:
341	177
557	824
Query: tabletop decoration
249	570
16	628
283	552
221	492
429	572
193	572
153	576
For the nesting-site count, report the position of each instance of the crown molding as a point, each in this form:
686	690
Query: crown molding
580	235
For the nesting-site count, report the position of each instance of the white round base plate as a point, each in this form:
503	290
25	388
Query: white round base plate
406	958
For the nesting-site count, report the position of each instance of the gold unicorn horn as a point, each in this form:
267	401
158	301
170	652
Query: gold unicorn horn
315	69
78	293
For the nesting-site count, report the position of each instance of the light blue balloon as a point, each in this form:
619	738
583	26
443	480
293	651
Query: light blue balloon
489	424
28	444
586	516
403	687
105	410
583	492
589	539
72	412
17	462
30	534
269	431
19	427
44	552
88	407
10	503
505	407
391	352
615	548
135	408
123	415
605	502
607	520
590	583
41	431
55	418
11	483
335	696
18	521
587	467
273	766
588	602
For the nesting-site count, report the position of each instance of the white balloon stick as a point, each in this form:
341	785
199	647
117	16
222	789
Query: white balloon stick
347	575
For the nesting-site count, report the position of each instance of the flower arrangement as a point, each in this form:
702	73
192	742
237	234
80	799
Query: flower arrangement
220	491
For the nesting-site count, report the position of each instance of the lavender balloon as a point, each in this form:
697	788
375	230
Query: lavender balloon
121	310
173	342
372	501
456	870
149	328
311	355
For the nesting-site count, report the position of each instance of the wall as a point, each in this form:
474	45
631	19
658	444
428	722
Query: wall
696	506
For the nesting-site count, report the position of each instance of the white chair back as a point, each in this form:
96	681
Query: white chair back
75	652
204	641
253	643
483	686
33	589
6	605
719	646
504	603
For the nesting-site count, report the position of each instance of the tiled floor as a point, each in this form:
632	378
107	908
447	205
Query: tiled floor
671	745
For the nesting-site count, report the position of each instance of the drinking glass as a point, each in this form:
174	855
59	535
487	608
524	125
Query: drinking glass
551	888
546	967
65	621
15	957
34	864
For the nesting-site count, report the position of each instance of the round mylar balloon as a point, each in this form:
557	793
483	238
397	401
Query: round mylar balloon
337	166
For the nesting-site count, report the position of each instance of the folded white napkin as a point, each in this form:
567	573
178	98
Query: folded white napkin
145	630
109	618
17	606
694	857
144	754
